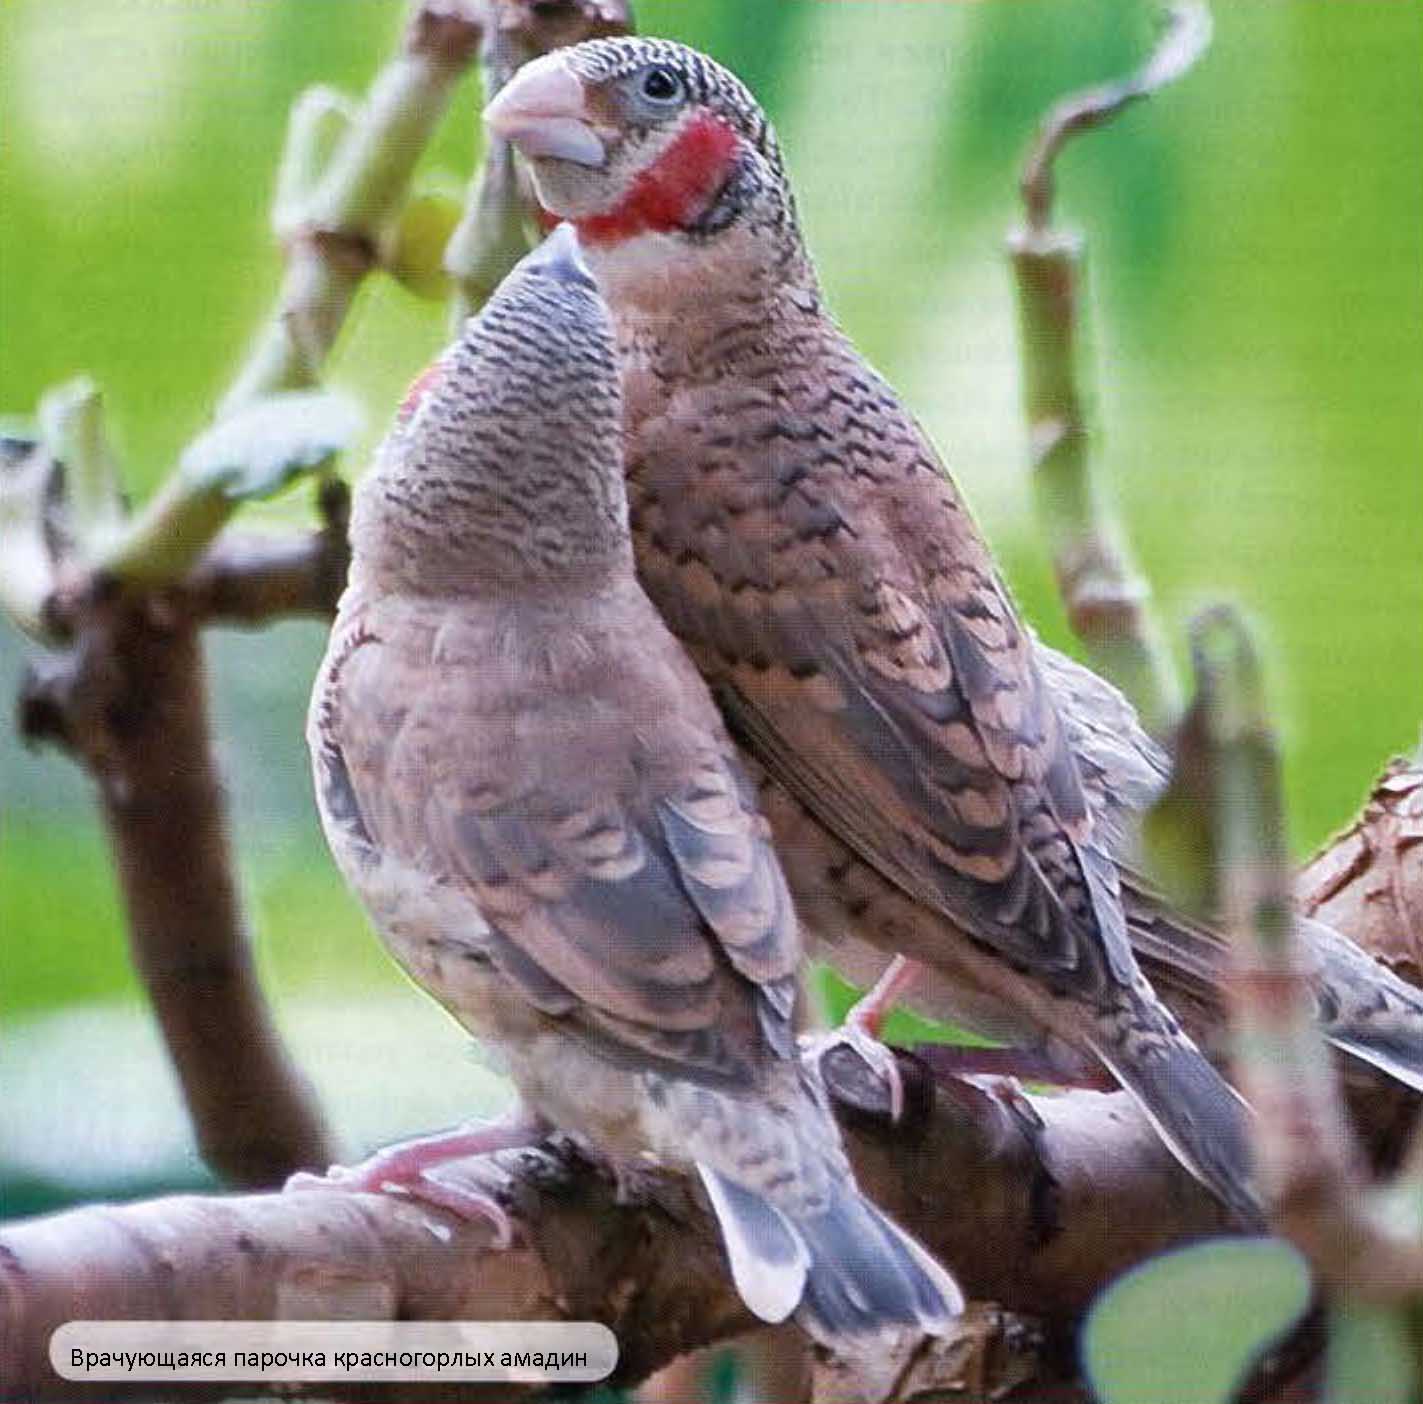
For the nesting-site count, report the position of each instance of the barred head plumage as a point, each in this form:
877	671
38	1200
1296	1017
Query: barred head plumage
507	456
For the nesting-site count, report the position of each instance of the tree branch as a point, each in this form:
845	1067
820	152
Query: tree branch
250	580
130	699
332	233
1185	37
1108	602
1036	1202
1309	1165
1369	880
128	696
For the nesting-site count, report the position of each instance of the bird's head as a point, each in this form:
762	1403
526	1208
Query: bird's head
505	461
653	151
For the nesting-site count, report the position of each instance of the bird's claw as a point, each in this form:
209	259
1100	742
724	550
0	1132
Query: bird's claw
408	1170
421	1186
876	1056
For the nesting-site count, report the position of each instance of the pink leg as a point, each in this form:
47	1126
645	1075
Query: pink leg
870	1012
408	1168
862	1026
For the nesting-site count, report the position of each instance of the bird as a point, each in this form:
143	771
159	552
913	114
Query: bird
941	784
800	535
525	780
1363	1008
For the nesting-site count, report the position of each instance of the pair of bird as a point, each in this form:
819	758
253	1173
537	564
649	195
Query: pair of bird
653	500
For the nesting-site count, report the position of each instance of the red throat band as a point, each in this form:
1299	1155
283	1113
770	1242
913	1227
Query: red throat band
674	189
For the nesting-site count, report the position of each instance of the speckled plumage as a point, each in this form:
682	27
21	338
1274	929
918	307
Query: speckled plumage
527	783
798	532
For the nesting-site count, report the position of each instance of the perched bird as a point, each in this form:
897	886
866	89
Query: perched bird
798	532
527	783
1364	1009
939	783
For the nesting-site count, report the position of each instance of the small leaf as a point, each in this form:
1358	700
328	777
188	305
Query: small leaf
1184	1328
1369	1357
263	446
29	479
72	422
417	251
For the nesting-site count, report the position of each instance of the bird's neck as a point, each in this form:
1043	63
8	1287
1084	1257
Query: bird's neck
686	318
418	528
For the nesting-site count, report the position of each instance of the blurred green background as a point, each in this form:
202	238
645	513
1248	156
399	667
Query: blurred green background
1257	321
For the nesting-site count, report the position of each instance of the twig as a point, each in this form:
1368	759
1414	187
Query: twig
72	421
1186	36
29	478
251	580
493	234
1308	1164
332	239
1108	602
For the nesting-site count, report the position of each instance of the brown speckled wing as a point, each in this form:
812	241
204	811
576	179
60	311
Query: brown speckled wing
616	869
806	545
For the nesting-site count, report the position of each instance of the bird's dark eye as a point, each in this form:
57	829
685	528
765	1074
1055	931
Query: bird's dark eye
660	84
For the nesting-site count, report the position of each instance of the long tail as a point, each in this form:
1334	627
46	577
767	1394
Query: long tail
1201	1118
1364	1008
846	1272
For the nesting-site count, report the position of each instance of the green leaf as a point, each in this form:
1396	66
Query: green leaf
259	449
416	257
1184	1328
1369	1357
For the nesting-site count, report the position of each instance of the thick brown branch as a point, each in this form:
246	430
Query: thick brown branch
130	700
1369	880
248	579
1036	1204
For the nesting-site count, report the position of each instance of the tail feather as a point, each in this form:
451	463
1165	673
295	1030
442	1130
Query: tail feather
1365	1008
866	1273
769	1259
1196	1112
855	1274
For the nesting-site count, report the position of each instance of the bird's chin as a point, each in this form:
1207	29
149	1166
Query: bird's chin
569	189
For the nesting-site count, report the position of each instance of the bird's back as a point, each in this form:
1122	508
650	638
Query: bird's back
799	533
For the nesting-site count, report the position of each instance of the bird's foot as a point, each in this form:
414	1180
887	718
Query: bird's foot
408	1168
635	1184
852	1037
860	1033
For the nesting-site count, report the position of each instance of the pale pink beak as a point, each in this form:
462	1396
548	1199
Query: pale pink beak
542	111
